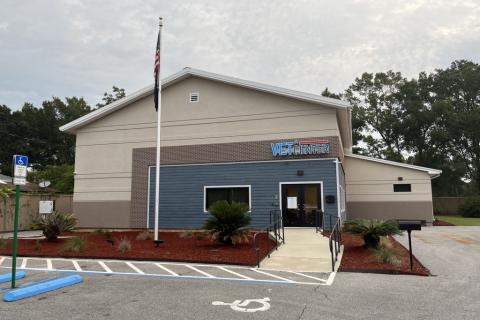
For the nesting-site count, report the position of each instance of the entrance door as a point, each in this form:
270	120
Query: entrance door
300	203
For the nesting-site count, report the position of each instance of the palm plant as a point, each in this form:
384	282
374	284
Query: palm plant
54	224
372	230
228	222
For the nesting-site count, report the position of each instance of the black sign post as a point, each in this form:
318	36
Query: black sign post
408	225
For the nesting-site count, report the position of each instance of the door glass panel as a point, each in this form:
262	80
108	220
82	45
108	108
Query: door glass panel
311	203
291	212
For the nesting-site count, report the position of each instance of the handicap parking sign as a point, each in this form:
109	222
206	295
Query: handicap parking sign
20	169
20	160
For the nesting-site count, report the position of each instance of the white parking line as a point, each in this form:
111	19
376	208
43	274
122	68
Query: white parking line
199	271
277	276
309	276
272	275
235	273
104	266
76	265
166	269
134	267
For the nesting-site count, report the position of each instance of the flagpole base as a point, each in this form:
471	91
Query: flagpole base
157	242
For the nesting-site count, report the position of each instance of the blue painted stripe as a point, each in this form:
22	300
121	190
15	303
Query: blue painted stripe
7	277
39	288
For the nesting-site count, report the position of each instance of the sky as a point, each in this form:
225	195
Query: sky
83	47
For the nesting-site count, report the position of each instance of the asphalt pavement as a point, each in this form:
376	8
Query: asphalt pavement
451	294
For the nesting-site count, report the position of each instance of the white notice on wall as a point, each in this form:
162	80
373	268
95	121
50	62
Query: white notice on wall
45	207
292	203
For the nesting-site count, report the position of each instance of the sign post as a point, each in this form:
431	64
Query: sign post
20	164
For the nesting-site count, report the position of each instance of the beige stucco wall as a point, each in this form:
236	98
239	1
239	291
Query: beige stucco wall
225	113
369	190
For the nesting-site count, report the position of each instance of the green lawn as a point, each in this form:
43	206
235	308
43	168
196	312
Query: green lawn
459	220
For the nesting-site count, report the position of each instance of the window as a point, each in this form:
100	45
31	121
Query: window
402	187
194	97
231	194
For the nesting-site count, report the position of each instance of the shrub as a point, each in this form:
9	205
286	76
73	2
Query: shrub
55	224
471	207
384	254
187	234
145	235
124	245
75	244
103	232
372	230
228	222
3	243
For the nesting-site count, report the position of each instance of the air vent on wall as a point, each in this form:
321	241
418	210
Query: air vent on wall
194	97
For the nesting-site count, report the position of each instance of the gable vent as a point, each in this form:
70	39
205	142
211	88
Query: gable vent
194	97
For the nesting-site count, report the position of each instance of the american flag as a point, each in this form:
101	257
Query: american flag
156	71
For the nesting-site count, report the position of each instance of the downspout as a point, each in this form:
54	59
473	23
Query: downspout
338	188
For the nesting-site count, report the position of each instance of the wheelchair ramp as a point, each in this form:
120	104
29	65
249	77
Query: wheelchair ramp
304	251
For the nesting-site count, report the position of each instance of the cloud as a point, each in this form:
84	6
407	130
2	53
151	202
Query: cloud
82	48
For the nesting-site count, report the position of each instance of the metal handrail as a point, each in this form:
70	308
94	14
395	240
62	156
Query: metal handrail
276	225
319	221
335	240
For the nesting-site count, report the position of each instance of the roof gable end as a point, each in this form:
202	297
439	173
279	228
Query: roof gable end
188	72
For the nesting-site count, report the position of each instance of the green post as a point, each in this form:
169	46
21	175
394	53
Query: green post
15	231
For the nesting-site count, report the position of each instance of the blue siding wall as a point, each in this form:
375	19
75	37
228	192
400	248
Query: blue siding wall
182	188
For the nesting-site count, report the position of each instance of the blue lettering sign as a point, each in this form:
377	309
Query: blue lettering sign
298	148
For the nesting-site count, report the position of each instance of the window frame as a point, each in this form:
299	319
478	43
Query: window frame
224	187
402	184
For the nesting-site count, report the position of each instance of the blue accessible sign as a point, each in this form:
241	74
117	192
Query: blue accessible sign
20	164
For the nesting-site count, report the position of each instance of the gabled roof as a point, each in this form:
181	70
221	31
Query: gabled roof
187	72
434	173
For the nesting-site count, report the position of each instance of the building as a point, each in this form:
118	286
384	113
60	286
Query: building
232	139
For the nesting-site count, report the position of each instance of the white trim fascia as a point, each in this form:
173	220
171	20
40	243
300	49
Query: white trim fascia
112	107
299	182
434	173
186	72
249	186
240	162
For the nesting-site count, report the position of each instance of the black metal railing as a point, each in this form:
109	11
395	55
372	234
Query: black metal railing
318	221
334	238
274	230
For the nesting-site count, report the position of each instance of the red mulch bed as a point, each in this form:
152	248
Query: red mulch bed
175	248
440	223
357	258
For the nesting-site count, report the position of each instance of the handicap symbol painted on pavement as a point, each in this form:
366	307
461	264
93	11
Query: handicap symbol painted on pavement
240	306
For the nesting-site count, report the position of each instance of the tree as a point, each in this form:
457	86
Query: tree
358	124
117	93
456	91
377	108
35	132
60	176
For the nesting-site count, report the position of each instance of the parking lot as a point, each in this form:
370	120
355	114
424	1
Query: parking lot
453	255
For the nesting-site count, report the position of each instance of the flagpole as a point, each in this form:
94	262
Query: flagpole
159	117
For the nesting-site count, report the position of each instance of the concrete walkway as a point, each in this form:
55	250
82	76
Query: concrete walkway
304	251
